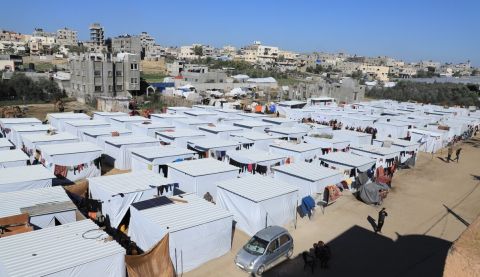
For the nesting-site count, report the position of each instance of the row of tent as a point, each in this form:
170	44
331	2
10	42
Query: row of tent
255	168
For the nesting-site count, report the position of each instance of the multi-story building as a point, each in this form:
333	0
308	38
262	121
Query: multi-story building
201	74
146	40
260	54
348	67
126	44
67	36
97	34
94	75
375	72
426	64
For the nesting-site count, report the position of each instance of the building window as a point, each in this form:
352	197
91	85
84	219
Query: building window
134	66
110	74
97	73
83	88
133	80
98	89
119	87
118	73
110	88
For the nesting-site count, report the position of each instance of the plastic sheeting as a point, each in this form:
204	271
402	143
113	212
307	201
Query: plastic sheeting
252	216
112	266
48	220
156	262
25	185
122	155
306	187
369	193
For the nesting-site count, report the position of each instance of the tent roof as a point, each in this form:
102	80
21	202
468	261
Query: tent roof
154	125
379	150
399	142
111	114
12	156
219	128
32	128
179	216
278	120
199	112
350	133
252	124
135	118
156	152
128	182
12	202
287	130
68	115
255	156
51	250
180	133
257	188
24	174
307	171
168	115
202	167
25	120
254	136
193	121
94	132
81	123
46	137
347	159
212	142
301	147
178	108
125	140
253	115
69	148
5	143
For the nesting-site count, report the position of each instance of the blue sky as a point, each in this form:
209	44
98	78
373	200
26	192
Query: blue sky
447	31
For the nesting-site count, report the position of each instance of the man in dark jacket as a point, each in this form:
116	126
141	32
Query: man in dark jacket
381	219
457	154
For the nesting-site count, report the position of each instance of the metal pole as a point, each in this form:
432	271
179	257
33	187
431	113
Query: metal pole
176	274
296	214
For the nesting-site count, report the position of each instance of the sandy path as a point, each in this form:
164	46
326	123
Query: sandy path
416	236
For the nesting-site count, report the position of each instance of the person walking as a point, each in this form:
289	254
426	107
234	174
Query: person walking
449	153
457	154
381	220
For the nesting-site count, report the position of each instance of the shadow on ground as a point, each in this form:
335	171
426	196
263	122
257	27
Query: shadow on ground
361	252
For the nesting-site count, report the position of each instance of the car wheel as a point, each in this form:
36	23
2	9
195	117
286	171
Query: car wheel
289	253
260	270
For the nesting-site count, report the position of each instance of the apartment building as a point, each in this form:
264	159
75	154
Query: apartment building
126	44
66	37
97	34
260	54
375	72
146	40
94	75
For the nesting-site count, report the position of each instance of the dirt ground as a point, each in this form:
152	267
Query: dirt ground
40	110
428	208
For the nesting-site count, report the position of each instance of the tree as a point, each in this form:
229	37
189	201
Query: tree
198	50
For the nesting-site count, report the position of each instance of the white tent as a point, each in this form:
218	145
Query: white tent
212	146
202	114
24	177
98	136
191	123
75	127
107	116
74	249
18	131
254	125
152	158
383	155
179	137
220	130
236	92
345	162
429	141
43	205
199	231
72	161
177	110
150	128
254	116
57	120
117	192
125	122
258	202
257	140
288	132
355	138
12	158
309	178
284	122
256	157
327	144
9	122
391	129
118	148
297	152
199	176
34	141
5	144
166	117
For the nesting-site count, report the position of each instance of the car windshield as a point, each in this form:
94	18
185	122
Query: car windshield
256	246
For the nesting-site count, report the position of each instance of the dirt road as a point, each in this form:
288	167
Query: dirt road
428	208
